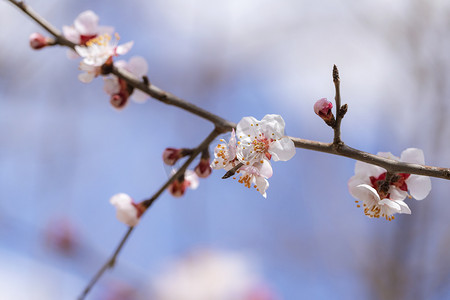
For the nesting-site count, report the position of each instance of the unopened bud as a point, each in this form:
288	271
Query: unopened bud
172	155
203	169
178	187
119	101
38	41
323	109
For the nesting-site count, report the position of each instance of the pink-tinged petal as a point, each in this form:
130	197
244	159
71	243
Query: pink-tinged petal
86	23
265	169
82	51
126	211
86	77
367	170
247	126
232	145
365	192
413	155
72	54
138	66
124	48
262	185
396	193
105	30
273	126
71	34
121	64
404	208
354	182
393	205
388	155
282	149
139	96
419	186
111	85
192	178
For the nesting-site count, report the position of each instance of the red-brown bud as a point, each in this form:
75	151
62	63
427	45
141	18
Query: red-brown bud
38	41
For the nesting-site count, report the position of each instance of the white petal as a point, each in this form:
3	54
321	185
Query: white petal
388	155
86	23
247	126
192	178
273	124
120	64
367	170
283	149
124	48
265	169
101	30
138	66
86	77
393	205
82	51
71	34
72	54
413	155
365	192
396	193
404	207
354	182
262	185
139	96
419	186
111	85
126	212
232	146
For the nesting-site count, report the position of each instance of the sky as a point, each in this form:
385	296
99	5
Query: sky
65	151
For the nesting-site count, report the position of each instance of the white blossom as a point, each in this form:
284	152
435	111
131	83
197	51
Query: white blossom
263	140
127	211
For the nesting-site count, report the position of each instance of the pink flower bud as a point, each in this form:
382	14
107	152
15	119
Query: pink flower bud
203	169
38	41
323	109
172	155
119	101
178	187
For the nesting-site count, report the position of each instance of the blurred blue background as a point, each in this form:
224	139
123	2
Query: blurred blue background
65	151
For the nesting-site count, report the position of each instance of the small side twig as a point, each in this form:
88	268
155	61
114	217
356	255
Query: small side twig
340	111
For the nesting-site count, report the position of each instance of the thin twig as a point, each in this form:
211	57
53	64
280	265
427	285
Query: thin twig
390	165
221	124
339	115
147	203
60	39
109	264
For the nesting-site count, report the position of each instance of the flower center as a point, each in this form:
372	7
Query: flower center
101	40
85	38
261	145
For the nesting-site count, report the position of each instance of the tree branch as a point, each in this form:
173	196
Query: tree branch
147	203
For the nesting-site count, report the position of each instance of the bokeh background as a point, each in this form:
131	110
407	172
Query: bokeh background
64	151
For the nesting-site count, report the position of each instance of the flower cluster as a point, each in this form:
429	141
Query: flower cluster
259	142
382	194
97	47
